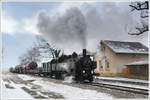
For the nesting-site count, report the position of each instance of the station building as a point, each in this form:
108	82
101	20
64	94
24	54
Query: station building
116	58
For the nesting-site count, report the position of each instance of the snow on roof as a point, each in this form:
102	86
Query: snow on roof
126	47
138	63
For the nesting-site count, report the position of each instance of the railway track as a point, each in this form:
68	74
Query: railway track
122	88
123	81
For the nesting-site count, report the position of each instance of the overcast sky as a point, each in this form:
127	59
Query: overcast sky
70	26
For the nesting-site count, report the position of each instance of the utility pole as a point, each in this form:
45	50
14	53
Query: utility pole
2	60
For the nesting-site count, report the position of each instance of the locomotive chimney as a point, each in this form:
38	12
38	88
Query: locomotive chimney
84	52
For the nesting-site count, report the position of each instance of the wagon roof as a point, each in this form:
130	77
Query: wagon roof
126	47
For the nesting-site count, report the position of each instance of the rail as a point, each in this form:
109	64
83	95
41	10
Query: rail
122	88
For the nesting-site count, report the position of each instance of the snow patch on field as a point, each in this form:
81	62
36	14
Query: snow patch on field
72	92
25	77
15	93
68	79
65	90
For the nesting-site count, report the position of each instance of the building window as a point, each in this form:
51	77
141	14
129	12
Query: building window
43	65
100	63
107	64
102	48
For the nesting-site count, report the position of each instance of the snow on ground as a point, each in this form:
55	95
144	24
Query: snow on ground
67	91
72	92
26	77
13	92
68	79
123	79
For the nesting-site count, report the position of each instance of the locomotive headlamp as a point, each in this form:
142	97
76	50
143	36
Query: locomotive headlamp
83	71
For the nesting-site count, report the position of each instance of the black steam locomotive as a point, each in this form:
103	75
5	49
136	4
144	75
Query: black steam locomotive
80	67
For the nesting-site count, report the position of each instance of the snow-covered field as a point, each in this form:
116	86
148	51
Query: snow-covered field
19	86
11	90
67	91
29	87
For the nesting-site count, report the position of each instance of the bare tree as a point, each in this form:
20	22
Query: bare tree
33	54
47	48
143	7
40	49
23	59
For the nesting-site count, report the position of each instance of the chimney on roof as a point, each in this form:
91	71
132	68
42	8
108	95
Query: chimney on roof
84	52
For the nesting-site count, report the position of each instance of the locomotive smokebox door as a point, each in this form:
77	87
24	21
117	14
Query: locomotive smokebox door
84	52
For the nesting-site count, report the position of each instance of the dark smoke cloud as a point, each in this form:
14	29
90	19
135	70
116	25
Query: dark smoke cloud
75	29
66	29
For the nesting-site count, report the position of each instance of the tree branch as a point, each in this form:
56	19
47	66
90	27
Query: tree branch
140	30
139	6
143	7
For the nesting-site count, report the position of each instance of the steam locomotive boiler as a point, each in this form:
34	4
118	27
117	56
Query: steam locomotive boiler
80	67
85	68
